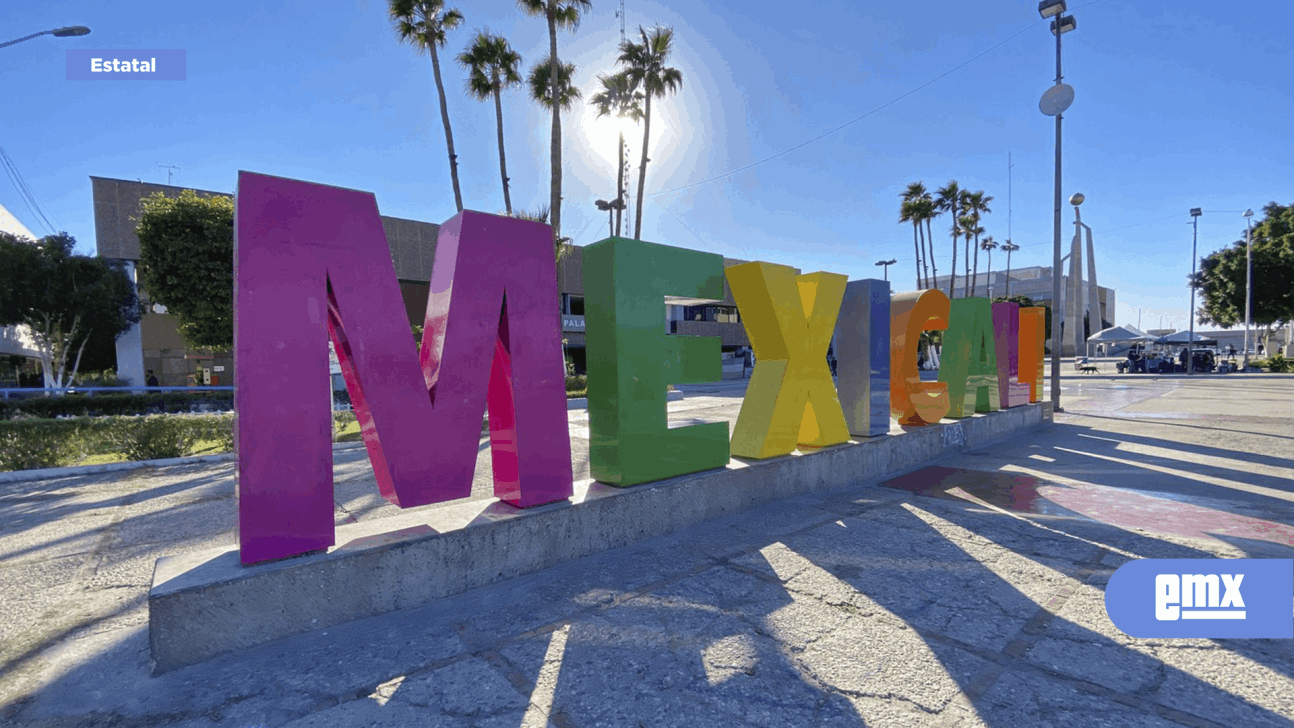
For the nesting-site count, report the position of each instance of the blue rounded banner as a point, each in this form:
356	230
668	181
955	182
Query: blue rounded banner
1203	598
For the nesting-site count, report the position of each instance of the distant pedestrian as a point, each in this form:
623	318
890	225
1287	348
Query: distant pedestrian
152	379
1260	350
748	362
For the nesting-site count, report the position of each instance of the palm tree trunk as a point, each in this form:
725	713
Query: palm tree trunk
620	184
988	275
503	159
967	263
952	277
642	169
555	184
1008	273
449	134
975	275
925	259
934	269
916	252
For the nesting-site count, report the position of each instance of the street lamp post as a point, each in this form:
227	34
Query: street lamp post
69	31
1249	277
1190	343
887	264
1010	248
1053	103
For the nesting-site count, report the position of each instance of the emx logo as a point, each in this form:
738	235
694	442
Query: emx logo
1203	598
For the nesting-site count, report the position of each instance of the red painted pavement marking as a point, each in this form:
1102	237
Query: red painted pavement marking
1115	506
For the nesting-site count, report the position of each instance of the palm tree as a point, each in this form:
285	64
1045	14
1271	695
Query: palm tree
492	67
976	205
949	200
559	14
1010	248
422	24
926	212
968	226
645	66
561	246
988	245
909	211
542	84
618	97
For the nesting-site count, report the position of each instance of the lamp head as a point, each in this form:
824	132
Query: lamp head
1249	213
70	31
1049	8
1076	199
1066	22
1196	212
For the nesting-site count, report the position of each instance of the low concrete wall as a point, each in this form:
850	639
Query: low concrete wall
203	604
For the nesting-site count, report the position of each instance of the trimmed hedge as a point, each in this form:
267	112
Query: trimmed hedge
29	443
104	405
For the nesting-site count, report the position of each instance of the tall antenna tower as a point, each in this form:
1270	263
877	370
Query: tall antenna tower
170	169
1009	165
621	15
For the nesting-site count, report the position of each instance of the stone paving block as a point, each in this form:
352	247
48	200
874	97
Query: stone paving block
1104	663
1025	698
365	713
1227	687
468	688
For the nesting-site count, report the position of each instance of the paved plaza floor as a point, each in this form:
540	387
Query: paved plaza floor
965	593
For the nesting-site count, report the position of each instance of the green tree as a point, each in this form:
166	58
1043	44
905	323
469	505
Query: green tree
949	200
645	66
65	299
186	254
422	24
492	67
618	97
558	14
1221	277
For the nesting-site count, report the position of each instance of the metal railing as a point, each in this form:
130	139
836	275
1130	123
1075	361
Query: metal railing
31	392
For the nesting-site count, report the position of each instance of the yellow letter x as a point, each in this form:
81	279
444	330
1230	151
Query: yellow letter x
791	398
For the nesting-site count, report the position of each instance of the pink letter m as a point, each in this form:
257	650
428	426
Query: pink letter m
312	262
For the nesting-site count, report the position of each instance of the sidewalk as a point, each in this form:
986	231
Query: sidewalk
968	595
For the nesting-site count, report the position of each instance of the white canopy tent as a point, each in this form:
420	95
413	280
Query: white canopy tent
1117	335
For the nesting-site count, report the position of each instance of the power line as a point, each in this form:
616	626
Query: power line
24	192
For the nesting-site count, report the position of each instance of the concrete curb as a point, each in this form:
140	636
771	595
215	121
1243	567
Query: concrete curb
582	403
204	604
18	476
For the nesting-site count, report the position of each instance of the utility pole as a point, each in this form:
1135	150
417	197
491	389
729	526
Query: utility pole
170	168
1190	344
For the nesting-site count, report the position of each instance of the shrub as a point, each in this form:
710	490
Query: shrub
1276	364
340	420
26	444
217	428
577	382
153	438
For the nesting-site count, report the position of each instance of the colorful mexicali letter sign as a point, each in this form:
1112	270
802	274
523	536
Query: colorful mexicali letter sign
1033	335
631	360
912	401
790	400
969	364
312	262
863	356
1006	337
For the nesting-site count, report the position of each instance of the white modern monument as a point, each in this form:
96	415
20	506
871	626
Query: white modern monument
1080	297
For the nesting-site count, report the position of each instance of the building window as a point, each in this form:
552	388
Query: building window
574	305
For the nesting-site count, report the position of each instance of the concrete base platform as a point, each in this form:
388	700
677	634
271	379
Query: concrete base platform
203	604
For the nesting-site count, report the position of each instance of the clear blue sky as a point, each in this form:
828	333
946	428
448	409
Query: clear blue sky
1179	105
